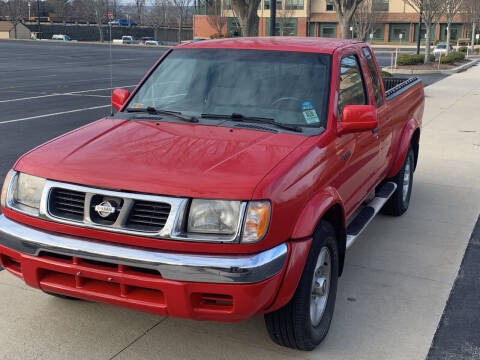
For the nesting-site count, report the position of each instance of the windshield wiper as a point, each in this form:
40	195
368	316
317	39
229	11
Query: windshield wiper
240	117
154	111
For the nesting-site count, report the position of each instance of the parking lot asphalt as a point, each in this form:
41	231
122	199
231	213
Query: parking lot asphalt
397	279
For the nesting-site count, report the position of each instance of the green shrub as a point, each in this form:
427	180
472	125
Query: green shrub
408	59
385	74
412	59
452	57
463	49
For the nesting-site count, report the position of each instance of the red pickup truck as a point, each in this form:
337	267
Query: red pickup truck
230	183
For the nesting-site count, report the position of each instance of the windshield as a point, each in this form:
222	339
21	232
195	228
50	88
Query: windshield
289	87
441	46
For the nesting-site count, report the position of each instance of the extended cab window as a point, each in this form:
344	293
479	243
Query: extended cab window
289	87
352	88
377	89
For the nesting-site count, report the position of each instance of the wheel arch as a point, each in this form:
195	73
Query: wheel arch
410	136
326	205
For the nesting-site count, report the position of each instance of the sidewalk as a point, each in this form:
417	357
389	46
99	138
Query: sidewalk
391	297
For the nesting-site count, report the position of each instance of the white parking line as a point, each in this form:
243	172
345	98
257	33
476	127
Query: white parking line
60	94
54	114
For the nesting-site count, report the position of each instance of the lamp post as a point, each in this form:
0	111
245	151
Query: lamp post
38	16
419	31
273	16
351	29
28	11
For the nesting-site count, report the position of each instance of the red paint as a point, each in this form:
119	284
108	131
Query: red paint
303	177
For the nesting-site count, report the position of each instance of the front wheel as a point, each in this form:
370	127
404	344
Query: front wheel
304	322
399	201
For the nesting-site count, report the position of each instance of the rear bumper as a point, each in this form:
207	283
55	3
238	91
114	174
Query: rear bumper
184	285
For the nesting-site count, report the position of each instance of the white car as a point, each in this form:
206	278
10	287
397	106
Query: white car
61	37
153	42
442	49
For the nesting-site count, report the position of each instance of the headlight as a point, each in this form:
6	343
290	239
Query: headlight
214	216
27	193
257	220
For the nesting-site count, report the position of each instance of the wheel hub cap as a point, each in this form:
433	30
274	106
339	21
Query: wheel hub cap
320	286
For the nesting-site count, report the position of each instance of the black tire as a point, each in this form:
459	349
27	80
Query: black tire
61	296
399	201
292	326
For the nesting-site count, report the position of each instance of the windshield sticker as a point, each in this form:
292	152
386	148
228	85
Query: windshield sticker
307	105
311	116
137	106
309	113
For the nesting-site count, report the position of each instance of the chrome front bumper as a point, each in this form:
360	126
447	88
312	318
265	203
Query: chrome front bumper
172	266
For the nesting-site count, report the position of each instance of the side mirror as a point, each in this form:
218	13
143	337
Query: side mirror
119	97
357	118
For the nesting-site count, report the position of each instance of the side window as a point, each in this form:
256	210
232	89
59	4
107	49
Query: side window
377	89
352	88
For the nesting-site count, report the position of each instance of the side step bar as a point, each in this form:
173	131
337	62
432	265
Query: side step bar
361	221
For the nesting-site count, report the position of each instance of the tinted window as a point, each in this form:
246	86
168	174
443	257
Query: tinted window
352	88
290	87
377	89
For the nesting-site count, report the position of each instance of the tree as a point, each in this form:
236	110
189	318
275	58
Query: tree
246	13
58	8
140	7
15	11
284	19
471	10
430	10
182	8
452	8
366	19
216	16
345	11
158	13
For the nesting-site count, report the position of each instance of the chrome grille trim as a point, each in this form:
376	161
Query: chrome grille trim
172	229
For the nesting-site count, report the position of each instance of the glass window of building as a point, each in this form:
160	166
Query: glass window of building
294	4
330	5
381	5
328	30
399	32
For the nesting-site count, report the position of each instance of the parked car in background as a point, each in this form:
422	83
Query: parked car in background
61	37
127	39
229	184
146	38
153	42
442	49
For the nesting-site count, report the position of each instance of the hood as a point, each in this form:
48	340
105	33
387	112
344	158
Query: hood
162	158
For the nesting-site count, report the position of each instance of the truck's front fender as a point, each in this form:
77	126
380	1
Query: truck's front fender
403	145
315	209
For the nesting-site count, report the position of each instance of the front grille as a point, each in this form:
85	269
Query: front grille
110	210
67	204
148	216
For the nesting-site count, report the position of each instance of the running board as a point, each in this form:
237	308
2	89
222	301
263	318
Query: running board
363	218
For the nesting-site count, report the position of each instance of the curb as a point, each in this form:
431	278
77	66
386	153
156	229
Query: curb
425	72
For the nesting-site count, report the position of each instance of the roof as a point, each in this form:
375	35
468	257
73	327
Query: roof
294	43
6	26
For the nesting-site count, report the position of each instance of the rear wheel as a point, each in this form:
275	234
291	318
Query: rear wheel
399	201
304	322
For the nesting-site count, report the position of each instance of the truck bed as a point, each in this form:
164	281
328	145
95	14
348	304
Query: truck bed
396	85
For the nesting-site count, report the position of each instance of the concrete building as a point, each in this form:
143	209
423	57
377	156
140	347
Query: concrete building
397	21
7	31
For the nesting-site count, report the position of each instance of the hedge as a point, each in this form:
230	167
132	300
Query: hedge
452	57
409	59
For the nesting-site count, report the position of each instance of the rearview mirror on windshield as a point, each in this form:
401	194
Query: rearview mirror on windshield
119	98
357	118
